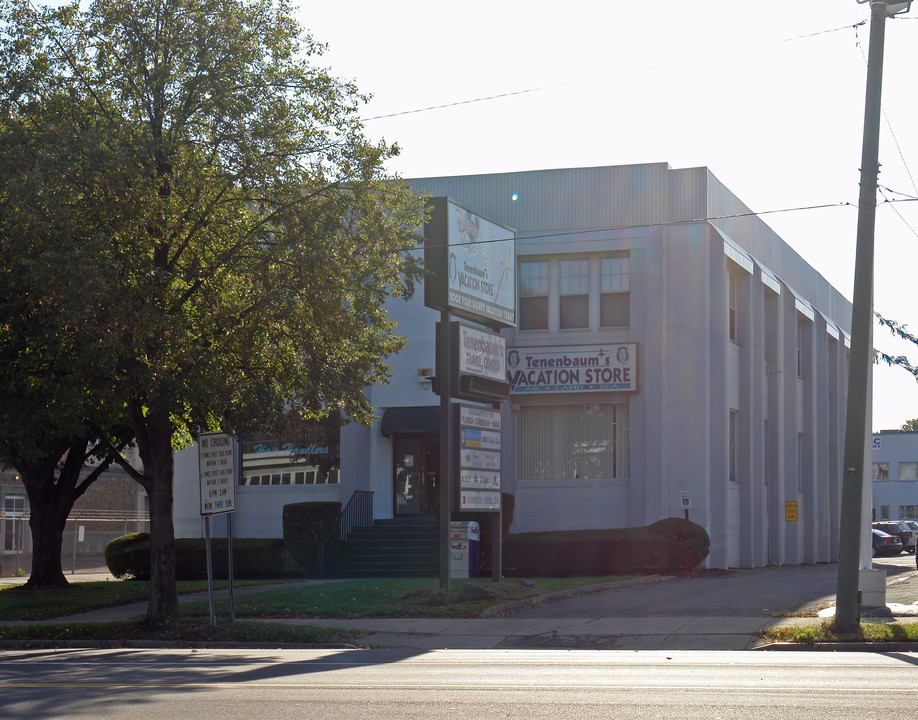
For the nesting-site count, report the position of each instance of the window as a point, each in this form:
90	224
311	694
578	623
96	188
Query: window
614	292
731	301
572	442
575	294
908	471
881	471
533	295
884	512
908	511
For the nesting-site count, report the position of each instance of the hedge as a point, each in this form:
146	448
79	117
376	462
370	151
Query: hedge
670	546
306	524
128	557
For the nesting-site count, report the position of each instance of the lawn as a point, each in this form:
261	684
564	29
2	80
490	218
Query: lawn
385	597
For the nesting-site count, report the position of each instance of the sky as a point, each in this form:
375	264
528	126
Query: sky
768	95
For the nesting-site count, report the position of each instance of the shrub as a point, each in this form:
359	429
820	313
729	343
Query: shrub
672	545
252	558
687	544
128	556
305	525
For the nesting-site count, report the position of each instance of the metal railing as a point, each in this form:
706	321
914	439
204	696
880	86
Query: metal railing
357	513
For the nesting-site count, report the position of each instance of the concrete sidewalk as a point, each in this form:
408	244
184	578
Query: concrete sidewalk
503	630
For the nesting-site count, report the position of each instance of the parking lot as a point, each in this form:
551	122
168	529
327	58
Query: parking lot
901	578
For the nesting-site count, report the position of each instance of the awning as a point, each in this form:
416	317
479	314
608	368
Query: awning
410	420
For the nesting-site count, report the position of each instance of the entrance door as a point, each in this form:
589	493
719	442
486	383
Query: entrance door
417	466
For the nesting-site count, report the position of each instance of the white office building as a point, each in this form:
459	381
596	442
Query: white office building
672	356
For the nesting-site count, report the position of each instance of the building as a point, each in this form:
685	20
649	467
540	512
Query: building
112	506
731	354
895	475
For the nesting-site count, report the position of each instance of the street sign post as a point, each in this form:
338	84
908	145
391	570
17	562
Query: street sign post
217	466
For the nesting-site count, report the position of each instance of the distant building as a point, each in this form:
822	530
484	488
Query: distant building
735	351
895	475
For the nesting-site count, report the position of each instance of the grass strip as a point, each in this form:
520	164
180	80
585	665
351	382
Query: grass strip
826	632
18	602
385	597
186	629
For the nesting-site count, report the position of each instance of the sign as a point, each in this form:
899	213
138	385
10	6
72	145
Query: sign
877	442
686	500
473	265
217	472
482	353
790	511
580	368
479	458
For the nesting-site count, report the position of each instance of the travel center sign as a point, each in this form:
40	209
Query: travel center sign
580	368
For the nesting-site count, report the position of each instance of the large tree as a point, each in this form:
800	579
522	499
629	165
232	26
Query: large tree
249	232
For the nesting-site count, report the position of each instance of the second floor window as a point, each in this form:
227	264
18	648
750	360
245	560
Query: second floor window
575	294
614	292
533	295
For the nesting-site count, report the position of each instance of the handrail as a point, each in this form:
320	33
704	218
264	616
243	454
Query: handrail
357	513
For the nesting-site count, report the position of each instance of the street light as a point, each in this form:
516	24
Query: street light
892	8
847	609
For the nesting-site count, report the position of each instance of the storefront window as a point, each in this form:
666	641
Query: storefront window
571	442
308	453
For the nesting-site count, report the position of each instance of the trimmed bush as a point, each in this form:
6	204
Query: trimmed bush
673	545
687	544
305	525
128	556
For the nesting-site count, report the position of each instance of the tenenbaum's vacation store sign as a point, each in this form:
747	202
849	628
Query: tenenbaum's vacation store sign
580	368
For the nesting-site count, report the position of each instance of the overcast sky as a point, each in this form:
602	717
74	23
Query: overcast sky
768	95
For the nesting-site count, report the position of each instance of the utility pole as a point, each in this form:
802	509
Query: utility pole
847	610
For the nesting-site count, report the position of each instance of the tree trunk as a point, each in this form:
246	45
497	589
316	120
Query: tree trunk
159	469
47	536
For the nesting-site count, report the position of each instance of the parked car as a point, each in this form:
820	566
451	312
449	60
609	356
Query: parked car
905	534
885	544
913	526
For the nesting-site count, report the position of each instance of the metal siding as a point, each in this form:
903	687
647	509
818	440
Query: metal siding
635	196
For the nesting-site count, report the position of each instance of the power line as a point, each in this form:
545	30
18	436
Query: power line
579	81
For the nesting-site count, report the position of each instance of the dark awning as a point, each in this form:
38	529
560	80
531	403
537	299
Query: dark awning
411	420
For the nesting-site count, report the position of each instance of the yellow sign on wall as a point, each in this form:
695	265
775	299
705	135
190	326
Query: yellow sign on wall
790	511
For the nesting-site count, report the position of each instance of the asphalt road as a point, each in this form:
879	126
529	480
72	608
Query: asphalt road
399	685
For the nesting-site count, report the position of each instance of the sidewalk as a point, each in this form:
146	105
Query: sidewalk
502	630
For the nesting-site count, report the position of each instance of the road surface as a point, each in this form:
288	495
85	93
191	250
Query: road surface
399	685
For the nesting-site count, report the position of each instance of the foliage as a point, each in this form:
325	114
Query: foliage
128	557
305	525
687	544
910	425
673	545
221	233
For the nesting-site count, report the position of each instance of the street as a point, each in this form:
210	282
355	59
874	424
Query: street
390	684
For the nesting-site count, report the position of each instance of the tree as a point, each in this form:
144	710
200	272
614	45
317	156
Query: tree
910	425
248	231
53	315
